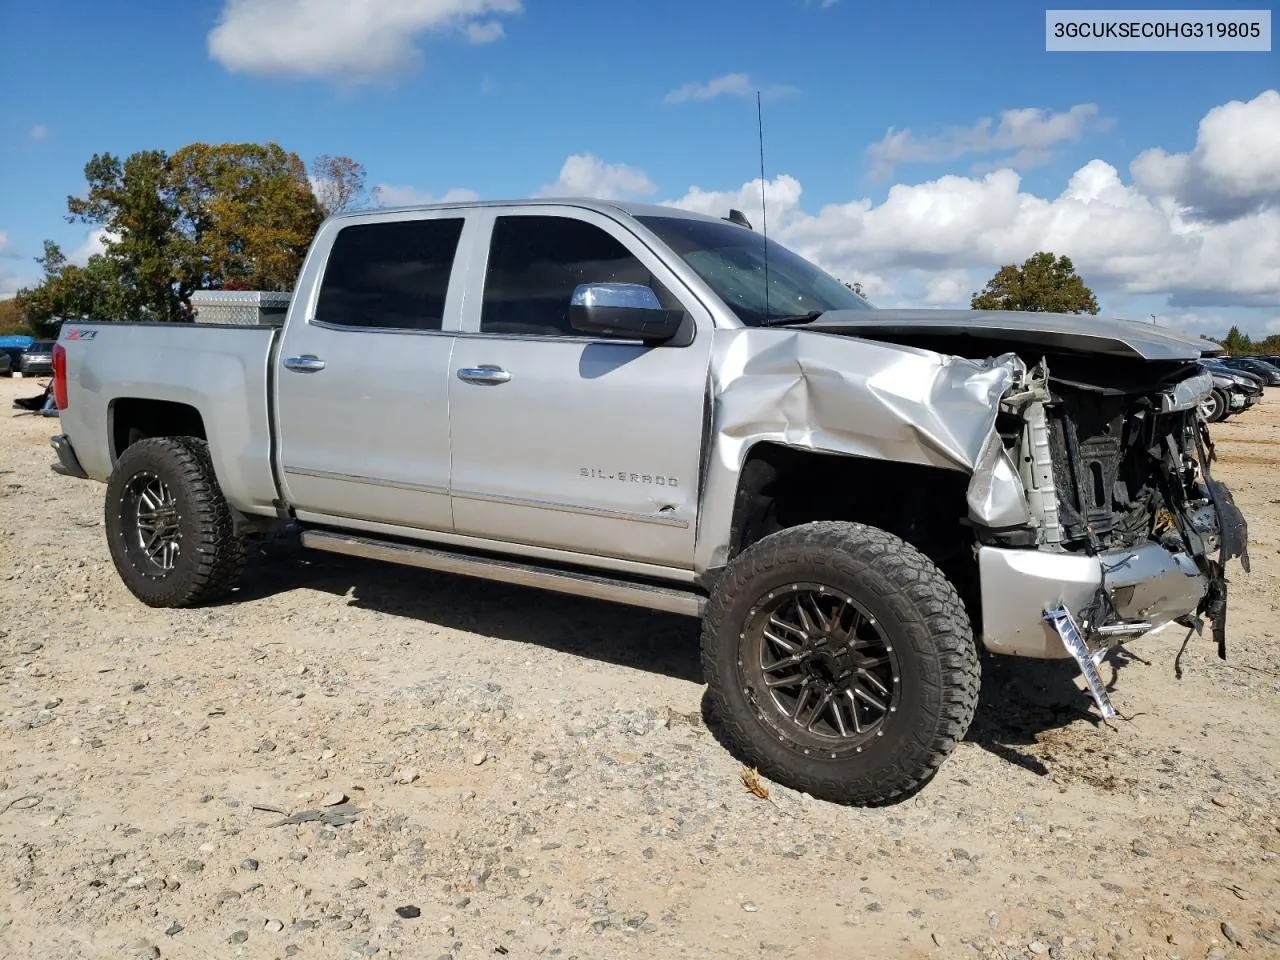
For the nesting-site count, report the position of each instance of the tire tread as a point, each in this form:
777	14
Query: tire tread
220	551
919	594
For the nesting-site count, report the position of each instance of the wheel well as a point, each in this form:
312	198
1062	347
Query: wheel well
782	487
134	419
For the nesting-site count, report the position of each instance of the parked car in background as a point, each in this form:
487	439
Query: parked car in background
1233	391
1268	373
12	347
37	360
6	365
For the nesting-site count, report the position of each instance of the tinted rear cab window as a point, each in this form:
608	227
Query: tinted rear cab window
390	275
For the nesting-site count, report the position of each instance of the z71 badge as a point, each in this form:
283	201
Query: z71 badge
654	479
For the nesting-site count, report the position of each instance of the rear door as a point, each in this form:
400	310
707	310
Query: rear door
563	440
362	378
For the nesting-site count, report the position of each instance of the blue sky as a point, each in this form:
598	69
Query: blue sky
494	96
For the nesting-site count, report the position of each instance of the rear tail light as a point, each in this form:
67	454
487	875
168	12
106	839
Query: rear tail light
60	376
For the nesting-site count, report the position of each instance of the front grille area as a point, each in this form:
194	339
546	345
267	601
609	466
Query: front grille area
1111	465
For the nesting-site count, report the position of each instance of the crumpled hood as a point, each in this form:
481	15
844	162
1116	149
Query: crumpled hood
1054	331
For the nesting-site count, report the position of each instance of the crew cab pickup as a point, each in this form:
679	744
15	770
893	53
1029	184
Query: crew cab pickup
667	409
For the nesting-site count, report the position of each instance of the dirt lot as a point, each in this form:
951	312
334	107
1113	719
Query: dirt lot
531	774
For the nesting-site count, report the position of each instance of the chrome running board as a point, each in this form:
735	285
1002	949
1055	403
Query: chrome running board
557	579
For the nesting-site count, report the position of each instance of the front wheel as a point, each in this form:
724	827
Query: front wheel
170	531
1214	407
840	662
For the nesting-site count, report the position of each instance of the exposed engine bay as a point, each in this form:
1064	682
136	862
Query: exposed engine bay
1115	456
1116	466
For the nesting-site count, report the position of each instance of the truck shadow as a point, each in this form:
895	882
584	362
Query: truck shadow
632	637
1020	700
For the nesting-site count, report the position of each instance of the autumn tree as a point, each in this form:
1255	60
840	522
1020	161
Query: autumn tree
1042	284
338	183
246	215
226	216
12	319
1270	347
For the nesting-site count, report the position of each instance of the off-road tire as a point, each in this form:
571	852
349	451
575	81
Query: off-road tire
210	556
918	609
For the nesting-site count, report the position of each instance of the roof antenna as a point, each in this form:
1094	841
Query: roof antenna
764	213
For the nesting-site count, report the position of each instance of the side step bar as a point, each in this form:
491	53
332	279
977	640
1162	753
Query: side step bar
668	599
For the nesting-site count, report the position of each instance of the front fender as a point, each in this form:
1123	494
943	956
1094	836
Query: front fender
862	398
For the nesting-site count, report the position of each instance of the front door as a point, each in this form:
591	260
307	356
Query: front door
567	441
362	380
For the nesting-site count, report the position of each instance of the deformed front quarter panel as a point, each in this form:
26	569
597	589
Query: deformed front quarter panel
853	397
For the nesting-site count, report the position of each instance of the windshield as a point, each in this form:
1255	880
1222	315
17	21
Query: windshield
731	259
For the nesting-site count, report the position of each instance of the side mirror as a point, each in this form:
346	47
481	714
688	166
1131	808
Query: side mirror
627	310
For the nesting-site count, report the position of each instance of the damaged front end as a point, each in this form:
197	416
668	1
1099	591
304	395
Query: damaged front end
1129	531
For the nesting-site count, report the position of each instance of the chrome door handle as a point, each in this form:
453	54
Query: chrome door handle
304	364
485	374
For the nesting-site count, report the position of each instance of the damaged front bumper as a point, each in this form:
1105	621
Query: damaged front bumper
1073	594
1148	587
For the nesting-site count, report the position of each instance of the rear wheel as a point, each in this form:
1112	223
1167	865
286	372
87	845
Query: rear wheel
840	662
170	530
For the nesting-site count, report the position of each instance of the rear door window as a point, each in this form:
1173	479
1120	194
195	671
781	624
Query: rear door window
391	275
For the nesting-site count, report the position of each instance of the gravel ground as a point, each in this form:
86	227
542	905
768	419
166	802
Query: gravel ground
353	759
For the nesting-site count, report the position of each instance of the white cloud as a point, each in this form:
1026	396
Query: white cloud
11	282
1029	133
924	240
728	85
484	31
1234	168
584	175
1215	323
390	195
349	40
39	132
949	288
95	242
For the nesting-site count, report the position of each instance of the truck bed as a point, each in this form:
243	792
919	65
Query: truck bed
120	372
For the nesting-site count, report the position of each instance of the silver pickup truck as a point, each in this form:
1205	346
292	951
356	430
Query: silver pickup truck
666	409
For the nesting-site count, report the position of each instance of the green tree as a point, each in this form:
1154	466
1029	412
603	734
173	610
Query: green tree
233	216
70	291
134	201
1237	343
338	183
1042	284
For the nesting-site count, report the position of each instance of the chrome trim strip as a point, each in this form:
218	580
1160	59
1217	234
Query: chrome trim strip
412	331
601	512
369	481
524	552
668	599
